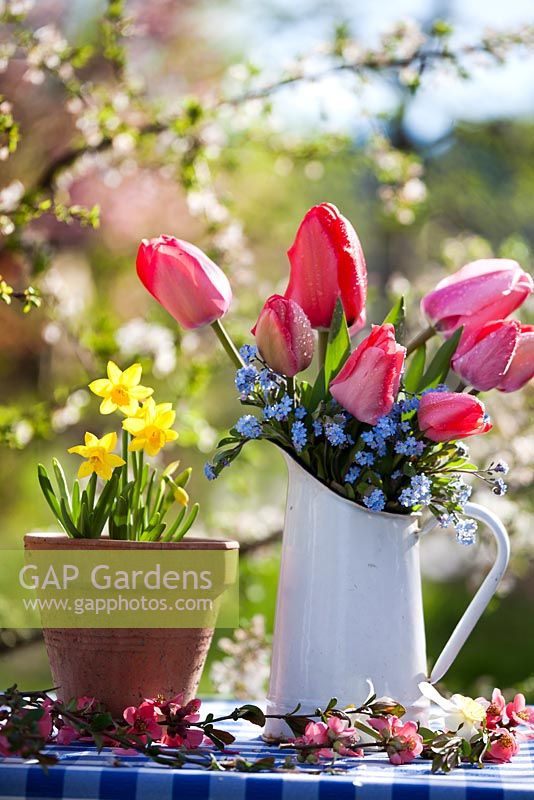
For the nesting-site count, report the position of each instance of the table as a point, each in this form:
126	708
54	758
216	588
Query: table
83	773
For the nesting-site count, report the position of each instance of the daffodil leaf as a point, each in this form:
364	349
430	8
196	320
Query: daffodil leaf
183	478
61	481
191	517
75	502
91	489
68	524
48	491
170	532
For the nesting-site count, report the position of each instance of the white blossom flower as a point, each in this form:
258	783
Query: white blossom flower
461	713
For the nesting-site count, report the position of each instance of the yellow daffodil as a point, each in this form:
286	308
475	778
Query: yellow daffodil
120	389
99	457
150	427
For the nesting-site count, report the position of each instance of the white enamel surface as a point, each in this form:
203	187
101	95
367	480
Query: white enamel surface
349	605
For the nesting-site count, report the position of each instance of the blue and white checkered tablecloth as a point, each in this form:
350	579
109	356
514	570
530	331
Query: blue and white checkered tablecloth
83	773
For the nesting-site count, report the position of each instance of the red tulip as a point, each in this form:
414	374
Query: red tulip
188	284
521	369
368	383
485	354
478	293
284	336
444	416
327	262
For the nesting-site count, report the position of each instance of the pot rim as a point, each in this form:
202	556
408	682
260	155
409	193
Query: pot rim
415	516
56	538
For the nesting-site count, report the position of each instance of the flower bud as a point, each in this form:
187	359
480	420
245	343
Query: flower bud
368	383
284	336
188	284
327	262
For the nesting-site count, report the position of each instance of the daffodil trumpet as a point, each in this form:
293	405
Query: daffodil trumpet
125	494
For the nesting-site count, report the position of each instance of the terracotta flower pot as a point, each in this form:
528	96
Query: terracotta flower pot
122	666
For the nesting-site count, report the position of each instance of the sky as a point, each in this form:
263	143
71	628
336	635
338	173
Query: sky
271	35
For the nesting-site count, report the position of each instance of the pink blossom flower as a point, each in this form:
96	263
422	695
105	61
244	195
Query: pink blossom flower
495	709
518	713
177	718
333	736
142	721
403	742
503	747
67	735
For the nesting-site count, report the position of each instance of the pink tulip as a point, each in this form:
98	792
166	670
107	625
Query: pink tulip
485	354
478	293
368	383
521	368
444	416
327	262
284	336
188	284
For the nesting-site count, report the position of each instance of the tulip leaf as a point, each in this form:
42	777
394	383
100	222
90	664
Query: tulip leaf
397	318
317	394
338	347
415	369
440	365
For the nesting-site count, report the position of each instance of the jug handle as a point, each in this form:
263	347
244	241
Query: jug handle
486	591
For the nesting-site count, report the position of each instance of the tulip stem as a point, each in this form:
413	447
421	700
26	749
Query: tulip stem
420	339
229	346
290	382
323	343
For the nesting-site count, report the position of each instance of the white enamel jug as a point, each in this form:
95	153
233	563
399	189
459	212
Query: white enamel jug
349	605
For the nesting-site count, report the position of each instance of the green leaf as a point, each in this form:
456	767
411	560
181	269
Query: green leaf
91	490
252	714
67	522
120	519
104	504
318	393
75	502
297	723
338	347
191	517
441	363
415	369
397	318
48	491
169	533
61	481
101	721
